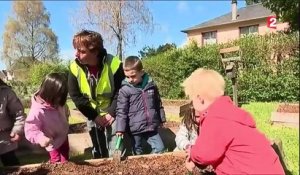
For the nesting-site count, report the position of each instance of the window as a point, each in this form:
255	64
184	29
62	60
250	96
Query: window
209	38
248	30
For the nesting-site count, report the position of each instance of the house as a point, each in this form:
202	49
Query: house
254	19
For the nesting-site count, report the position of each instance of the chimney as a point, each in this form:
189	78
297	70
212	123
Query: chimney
234	9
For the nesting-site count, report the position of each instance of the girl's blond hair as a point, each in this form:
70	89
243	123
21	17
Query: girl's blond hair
206	83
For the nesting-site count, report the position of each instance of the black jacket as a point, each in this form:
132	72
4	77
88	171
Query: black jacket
140	109
82	102
12	117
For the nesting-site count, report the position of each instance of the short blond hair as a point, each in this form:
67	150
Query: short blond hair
206	83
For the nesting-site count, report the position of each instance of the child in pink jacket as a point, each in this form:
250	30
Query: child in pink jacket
47	121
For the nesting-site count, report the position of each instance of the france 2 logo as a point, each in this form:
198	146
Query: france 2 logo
271	22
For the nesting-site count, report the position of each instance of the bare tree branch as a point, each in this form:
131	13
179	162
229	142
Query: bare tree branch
118	21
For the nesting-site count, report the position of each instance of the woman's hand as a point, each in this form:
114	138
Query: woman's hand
105	120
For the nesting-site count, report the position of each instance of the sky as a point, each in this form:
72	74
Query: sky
170	18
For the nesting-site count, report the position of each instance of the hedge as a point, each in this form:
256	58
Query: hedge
269	68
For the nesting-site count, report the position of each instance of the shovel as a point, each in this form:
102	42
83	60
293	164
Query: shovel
118	153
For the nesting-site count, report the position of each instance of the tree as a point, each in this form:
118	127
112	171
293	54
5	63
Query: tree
147	51
151	51
287	11
250	2
118	21
27	37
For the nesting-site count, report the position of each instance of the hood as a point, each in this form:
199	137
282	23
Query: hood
146	82
37	103
224	108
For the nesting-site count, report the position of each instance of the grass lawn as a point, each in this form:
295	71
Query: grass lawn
288	136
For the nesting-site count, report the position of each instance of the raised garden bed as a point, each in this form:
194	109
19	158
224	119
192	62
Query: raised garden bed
172	107
164	164
80	142
168	102
286	114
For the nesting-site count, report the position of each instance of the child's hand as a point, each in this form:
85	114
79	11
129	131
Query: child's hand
14	137
119	134
189	165
187	149
45	142
209	168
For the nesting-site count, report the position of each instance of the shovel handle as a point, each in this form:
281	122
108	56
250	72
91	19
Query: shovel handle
119	139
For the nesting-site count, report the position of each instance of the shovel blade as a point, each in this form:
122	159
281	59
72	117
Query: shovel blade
117	156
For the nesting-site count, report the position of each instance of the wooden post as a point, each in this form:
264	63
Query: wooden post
234	89
231	68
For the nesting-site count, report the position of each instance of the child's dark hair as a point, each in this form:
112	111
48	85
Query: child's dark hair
54	87
133	63
189	120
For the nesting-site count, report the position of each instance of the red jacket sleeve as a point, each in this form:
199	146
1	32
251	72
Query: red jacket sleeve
212	142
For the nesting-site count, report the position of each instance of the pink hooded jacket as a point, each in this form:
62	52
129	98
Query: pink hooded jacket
45	121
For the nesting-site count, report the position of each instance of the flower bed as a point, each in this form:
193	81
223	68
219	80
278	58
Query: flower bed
286	114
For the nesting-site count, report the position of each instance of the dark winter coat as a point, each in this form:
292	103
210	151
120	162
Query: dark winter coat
140	109
12	117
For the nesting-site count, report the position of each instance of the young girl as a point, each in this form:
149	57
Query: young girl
47	123
12	119
188	130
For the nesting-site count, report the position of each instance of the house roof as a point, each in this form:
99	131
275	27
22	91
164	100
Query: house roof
255	11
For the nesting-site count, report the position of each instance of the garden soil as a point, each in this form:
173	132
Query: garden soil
157	165
288	108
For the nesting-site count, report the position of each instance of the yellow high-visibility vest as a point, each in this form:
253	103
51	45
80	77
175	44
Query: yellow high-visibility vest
105	85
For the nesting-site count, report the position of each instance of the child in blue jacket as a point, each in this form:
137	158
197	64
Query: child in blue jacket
139	107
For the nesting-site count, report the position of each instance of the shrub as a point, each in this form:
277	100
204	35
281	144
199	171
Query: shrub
35	75
39	71
269	67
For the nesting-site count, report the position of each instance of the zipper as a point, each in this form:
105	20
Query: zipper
146	108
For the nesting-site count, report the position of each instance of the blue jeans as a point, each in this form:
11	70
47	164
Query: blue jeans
152	138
